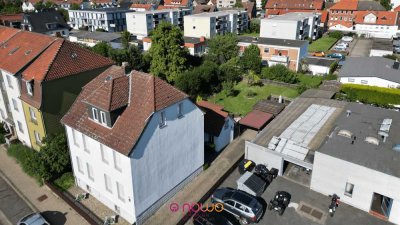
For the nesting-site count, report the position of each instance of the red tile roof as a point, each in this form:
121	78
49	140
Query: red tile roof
167	7
214	107
177	3
214	118
148	94
141	6
21	49
6	33
382	17
256	119
345	5
397	9
11	17
294	4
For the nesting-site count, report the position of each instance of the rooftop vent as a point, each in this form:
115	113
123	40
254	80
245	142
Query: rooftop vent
108	78
74	55
372	140
345	133
28	52
13	50
384	129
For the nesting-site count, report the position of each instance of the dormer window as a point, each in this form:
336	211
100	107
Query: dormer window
29	87
103	118
95	114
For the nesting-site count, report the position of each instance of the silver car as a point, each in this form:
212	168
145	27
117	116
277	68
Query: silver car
33	219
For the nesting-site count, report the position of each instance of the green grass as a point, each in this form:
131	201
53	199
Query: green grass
253	34
310	81
242	104
65	182
322	45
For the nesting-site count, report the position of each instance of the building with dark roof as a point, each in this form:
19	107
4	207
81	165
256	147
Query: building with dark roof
50	22
92	38
141	140
318	65
11	20
373	71
381	47
219	126
277	51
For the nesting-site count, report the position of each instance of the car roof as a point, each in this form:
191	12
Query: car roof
33	219
211	218
242	197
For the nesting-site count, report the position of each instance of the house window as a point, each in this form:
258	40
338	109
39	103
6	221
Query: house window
74	139
29	88
32	114
37	137
95	115
180	110
79	164
364	81
266	50
89	171
14	102
120	190
20	127
107	181
163	119
103	118
103	154
117	161
350	80
9	82
349	189
226	125
84	144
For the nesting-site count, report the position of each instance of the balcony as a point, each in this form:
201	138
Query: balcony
280	58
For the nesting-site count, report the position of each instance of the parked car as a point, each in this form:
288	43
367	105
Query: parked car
33	219
343	44
243	206
318	54
396	50
280	202
214	218
347	39
336	56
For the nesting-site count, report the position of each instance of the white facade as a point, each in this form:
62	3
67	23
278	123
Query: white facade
141	23
372	81
162	161
330	175
211	24
340	27
259	5
318	69
110	19
293	26
12	106
380	53
226	3
27	7
372	30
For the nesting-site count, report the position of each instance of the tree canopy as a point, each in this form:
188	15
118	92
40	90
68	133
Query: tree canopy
222	48
281	73
10	7
251	59
168	58
125	39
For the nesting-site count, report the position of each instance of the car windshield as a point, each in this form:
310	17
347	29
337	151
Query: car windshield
242	198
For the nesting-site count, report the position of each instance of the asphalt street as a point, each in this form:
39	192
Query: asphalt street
12	206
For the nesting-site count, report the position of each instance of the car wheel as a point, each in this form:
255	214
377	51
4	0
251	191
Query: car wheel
281	212
243	220
270	207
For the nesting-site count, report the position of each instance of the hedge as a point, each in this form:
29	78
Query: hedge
371	95
65	182
27	158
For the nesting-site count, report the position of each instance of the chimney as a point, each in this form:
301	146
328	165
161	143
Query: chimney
124	65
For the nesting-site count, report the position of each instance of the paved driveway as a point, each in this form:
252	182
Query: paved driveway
301	195
360	47
11	205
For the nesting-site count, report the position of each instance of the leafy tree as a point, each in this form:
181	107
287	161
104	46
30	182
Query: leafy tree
74	6
336	34
49	5
251	59
168	58
228	87
238	4
10	7
102	48
263	3
125	39
200	81
64	13
135	59
231	70
386	4
255	26
280	73
252	78
222	48
39	5
55	154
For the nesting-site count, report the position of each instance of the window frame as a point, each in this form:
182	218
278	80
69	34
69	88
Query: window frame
37	137
29	88
20	129
103	118
107	185
79	165
15	106
95	114
120	188
32	114
180	110
9	82
349	192
89	169
163	119
103	154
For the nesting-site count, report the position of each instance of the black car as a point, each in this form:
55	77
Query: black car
263	172
214	218
242	205
280	202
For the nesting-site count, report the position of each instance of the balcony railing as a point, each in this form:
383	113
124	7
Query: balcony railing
280	58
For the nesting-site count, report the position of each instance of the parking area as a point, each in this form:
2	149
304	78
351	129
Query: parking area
307	207
360	47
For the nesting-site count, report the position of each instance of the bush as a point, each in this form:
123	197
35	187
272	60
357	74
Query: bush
336	34
251	93
383	97
333	67
65	182
280	73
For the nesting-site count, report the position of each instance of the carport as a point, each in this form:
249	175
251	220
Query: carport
256	120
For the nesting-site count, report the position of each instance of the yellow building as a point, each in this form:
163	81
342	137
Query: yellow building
35	124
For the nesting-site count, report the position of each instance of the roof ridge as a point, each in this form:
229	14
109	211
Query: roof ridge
111	92
55	55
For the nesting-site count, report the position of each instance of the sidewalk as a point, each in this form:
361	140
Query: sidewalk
201	185
38	198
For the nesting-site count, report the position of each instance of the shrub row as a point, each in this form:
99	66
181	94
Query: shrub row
383	97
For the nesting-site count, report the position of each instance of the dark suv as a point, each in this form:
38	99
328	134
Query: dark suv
214	218
242	205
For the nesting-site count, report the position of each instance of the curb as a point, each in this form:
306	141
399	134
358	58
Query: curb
4	219
19	193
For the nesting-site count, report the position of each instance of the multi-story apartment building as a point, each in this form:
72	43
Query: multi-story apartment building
141	23
109	19
377	24
215	23
294	26
277	51
126	133
312	5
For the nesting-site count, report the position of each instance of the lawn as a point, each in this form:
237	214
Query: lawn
310	81
242	104
322	45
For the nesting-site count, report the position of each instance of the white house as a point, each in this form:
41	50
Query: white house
373	71
318	65
134	141
17	51
378	24
349	149
28	6
92	38
141	23
218	125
